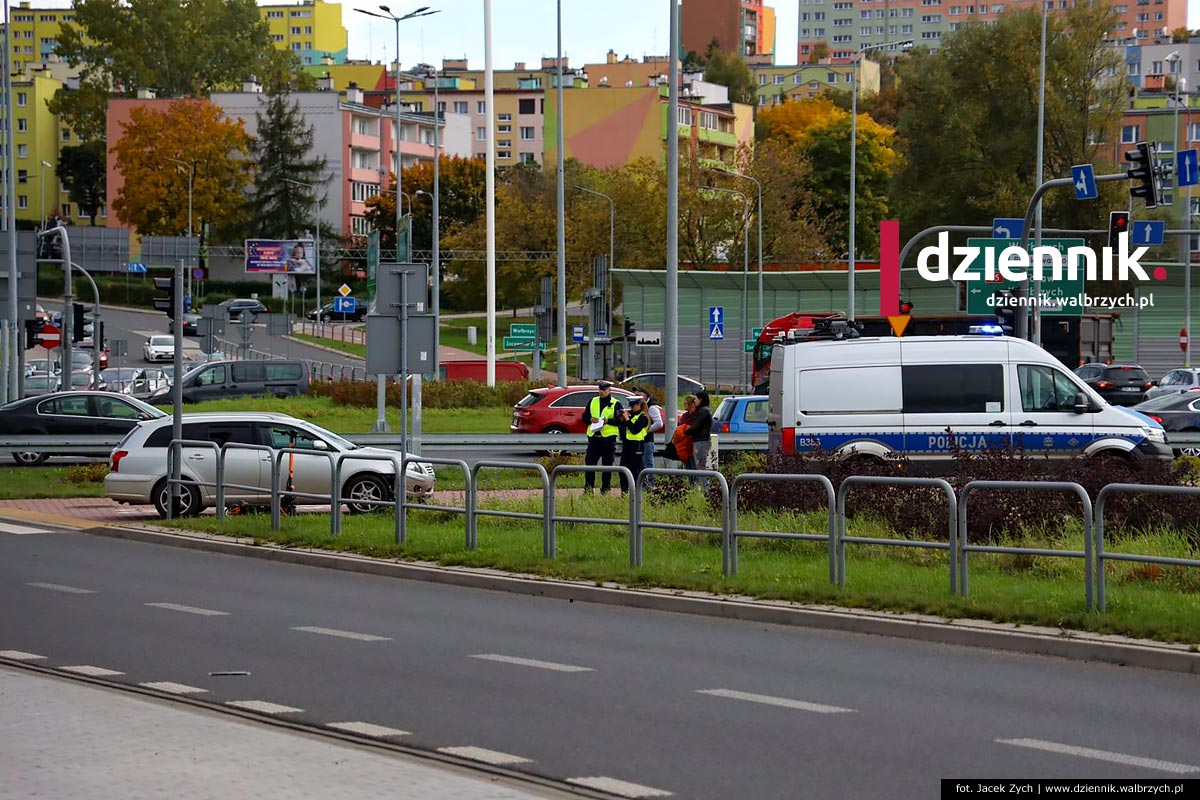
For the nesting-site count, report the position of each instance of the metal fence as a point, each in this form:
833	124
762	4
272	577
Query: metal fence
554	518
638	524
729	555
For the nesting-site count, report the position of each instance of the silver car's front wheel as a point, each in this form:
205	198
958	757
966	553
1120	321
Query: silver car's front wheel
362	492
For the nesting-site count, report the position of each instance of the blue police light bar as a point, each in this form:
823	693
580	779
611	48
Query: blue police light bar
987	329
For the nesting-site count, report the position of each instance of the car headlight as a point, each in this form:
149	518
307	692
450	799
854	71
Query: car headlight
1155	435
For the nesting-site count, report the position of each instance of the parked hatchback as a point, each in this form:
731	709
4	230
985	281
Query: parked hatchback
1119	384
139	464
1176	381
557	409
745	413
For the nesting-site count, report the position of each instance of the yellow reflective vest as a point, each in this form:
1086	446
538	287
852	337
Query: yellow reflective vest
638	436
609	429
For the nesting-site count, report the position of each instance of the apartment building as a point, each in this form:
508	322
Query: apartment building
777	84
746	27
36	141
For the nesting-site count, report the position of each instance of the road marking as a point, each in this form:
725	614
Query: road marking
362	637
19	530
530	662
20	655
1101	755
203	612
367	729
619	788
486	756
782	702
58	587
173	688
263	707
95	672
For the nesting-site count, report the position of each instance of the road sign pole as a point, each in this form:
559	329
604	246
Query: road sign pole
177	391
68	314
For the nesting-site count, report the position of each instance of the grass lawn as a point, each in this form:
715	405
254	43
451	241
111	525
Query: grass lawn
349	348
1163	603
43	482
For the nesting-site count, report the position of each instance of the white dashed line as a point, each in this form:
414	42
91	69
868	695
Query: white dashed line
782	702
486	756
362	637
21	655
619	788
203	612
263	707
19	530
1101	755
173	688
95	672
367	729
58	587
530	662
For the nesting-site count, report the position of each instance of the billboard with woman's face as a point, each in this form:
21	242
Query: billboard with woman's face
288	256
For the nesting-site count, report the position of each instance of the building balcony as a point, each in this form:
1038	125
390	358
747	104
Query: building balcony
364	141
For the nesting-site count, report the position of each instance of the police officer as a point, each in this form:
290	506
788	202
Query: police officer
635	426
600	416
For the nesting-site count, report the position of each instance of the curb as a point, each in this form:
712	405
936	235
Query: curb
1074	645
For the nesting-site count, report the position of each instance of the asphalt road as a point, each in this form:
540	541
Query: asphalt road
694	706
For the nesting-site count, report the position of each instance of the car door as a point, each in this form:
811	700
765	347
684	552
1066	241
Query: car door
1044	419
753	415
114	415
208	384
246	379
309	472
568	410
67	415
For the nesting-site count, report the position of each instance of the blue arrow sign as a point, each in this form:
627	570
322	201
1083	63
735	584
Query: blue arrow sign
1147	233
1008	228
1187	167
136	267
1085	182
344	305
716	323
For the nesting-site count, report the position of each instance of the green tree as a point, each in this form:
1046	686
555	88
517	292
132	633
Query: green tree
460	200
282	152
730	71
82	170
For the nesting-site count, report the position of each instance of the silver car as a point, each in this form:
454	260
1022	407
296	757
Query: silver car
139	464
1177	381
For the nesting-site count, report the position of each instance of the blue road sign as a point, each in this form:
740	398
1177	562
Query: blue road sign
344	305
136	267
1187	167
716	323
1008	228
1147	233
601	334
578	333
1085	182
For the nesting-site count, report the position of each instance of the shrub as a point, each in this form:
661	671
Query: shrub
87	473
434	394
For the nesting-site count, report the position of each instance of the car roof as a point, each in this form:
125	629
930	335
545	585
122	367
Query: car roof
238	416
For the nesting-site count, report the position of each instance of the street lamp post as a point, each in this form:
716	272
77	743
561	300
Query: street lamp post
612	219
854	158
191	168
42	191
758	214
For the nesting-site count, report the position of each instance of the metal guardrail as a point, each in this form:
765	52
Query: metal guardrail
595	469
730	544
469	493
638	523
277	494
399	490
547	503
222	485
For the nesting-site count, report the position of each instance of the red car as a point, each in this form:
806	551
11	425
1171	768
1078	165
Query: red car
557	410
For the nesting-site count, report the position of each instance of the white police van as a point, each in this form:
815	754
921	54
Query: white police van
921	397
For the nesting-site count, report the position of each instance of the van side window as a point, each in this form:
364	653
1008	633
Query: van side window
953	388
245	372
213	376
282	371
1045	389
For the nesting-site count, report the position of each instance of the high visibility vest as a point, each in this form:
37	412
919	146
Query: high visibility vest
606	414
630	436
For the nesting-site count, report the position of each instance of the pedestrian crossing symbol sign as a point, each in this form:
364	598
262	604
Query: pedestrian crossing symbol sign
716	323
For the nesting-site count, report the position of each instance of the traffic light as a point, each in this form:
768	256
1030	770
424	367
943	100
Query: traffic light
167	303
1118	223
906	306
33	328
1142	171
1006	312
629	324
49	248
78	320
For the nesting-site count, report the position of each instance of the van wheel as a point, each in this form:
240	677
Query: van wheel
360	490
29	458
863	462
1115	460
189	499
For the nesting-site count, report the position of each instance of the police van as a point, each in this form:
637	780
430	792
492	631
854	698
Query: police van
923	397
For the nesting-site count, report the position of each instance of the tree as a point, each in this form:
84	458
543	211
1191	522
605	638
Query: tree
154	197
820	51
82	170
282	152
460	200
173	47
730	71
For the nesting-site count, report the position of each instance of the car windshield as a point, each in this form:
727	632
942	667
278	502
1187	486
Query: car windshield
81	358
162	341
331	436
1126	373
530	399
41	382
1166	402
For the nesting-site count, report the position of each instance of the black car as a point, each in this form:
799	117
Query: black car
1175	412
329	315
1119	384
243	309
191	325
72	413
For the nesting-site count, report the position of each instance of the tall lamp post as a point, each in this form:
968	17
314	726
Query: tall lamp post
758	214
191	172
42	190
906	44
612	219
316	238
436	303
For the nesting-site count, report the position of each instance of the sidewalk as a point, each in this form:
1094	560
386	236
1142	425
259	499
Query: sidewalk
66	738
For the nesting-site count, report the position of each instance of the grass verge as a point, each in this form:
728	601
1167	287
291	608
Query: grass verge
1161	603
349	348
36	483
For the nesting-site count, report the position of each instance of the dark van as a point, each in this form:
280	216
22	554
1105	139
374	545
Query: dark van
218	379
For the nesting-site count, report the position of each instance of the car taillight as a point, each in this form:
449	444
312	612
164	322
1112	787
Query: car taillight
1104	385
116	460
522	412
1147	384
789	441
724	428
1155	417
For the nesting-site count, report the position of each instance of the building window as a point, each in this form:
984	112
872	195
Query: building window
462	107
308	30
504	129
796	79
21	99
1129	134
481	107
504	143
504	117
527	132
1156	67
481	134
762	80
685	116
360	226
22	176
295	30
66	209
361	191
22	124
274	15
779	80
66	134
528	158
526	106
831	77
1134	68
1193	132
504	154
22	201
22	151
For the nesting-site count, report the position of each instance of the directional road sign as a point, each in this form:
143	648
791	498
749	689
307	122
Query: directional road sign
979	291
1187	167
1147	233
344	305
755	333
748	345
578	333
716	323
1085	182
1008	227
525	330
518	343
51	337
136	267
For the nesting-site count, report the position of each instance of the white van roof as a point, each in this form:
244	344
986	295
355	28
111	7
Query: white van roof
928	349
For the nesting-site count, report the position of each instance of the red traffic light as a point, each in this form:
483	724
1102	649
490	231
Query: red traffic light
1118	223
906	307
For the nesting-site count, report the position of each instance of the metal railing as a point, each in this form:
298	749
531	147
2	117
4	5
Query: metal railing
175	454
277	494
547	503
882	480
222	485
729	546
399	490
468	494
1102	556
1061	486
638	524
594	469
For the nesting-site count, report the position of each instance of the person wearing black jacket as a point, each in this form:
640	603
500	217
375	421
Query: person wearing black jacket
699	432
634	424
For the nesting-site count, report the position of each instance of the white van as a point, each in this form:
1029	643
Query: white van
923	396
